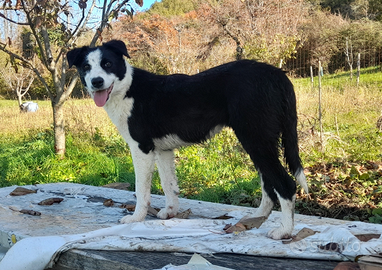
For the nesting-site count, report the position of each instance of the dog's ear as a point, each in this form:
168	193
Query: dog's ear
117	46
75	56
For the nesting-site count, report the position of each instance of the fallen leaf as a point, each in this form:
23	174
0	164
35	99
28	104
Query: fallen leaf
20	191
121	186
250	223
303	233
238	227
245	224
184	214
225	216
50	201
129	207
108	203
367	236
30	212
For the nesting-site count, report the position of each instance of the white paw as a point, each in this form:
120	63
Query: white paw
280	233
168	212
130	219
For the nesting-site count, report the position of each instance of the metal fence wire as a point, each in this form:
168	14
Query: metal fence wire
300	63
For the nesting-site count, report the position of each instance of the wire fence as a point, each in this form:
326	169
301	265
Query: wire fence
299	65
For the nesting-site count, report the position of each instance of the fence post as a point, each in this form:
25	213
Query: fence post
349	56
358	67
319	105
311	76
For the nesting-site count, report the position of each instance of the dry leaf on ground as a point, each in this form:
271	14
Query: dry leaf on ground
121	186
129	207
108	203
184	214
50	201
30	212
225	216
303	233
238	227
20	191
367	236
245	224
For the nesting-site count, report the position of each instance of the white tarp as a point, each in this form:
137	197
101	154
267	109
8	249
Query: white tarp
195	235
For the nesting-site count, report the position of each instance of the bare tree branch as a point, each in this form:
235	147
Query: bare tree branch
28	65
105	17
34	32
12	21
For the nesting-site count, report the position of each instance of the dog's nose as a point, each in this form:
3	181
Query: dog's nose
97	82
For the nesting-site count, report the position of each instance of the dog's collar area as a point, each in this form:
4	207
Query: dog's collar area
102	96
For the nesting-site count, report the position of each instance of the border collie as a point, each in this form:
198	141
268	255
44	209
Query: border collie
156	114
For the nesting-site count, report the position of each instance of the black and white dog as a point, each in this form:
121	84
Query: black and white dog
156	114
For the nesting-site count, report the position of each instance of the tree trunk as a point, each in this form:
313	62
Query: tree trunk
59	128
19	99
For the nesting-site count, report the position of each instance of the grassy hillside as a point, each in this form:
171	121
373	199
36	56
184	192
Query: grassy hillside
349	114
344	167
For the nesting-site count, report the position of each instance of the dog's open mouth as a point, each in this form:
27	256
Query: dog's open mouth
101	96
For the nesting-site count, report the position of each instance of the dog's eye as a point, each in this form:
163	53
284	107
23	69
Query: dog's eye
86	67
108	65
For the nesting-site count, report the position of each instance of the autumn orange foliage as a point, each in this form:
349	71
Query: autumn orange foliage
213	34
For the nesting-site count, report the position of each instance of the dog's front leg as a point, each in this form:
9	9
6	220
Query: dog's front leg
169	181
143	167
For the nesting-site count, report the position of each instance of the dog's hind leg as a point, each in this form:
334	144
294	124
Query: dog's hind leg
169	181
276	182
278	185
143	166
265	208
287	218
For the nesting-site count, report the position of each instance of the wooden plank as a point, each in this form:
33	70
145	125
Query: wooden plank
370	262
110	260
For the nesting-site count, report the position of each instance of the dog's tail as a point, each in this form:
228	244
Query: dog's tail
290	139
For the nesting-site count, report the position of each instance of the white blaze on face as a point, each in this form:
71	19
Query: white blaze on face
100	95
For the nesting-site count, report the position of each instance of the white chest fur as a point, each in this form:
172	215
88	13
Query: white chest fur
119	107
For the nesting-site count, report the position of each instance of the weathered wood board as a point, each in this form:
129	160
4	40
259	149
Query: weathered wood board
109	260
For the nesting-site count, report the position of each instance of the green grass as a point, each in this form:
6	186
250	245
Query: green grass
369	77
33	161
349	116
218	171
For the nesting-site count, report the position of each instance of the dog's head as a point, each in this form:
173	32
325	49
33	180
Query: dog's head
100	68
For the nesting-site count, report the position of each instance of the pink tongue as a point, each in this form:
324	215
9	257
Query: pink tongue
100	97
